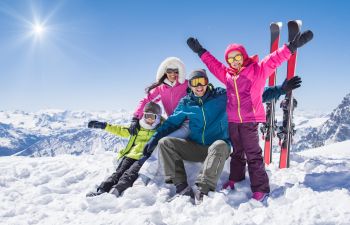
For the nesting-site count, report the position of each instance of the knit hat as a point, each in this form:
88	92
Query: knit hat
198	73
152	107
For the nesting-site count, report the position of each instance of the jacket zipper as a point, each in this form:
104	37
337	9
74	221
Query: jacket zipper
205	122
238	101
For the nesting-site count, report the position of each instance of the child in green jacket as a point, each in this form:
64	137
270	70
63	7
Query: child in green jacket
127	171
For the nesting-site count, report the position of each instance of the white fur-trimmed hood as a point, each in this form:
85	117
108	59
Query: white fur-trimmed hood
172	62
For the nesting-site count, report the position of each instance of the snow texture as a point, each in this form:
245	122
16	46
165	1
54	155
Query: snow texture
51	190
42	189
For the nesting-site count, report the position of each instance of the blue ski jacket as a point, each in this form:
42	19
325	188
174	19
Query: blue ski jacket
207	116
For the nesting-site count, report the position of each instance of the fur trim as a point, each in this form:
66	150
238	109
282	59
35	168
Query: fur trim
172	62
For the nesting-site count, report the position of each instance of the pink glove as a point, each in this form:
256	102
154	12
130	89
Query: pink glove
230	185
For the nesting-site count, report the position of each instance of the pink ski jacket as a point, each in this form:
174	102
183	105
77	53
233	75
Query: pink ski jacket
244	89
169	96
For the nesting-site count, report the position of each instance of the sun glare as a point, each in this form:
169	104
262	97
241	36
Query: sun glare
38	29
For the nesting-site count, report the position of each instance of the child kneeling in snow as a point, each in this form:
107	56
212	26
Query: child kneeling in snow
127	171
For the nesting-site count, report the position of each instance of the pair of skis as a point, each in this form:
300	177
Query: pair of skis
269	129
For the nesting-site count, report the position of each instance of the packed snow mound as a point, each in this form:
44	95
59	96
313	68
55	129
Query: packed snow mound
51	190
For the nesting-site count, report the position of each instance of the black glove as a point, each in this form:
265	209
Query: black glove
149	147
97	124
196	47
291	84
299	40
134	126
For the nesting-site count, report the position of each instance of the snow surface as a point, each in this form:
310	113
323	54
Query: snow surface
51	190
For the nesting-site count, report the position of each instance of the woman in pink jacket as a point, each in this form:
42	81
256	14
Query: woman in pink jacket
245	79
170	86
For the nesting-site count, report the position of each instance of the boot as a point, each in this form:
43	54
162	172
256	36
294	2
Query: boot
184	189
114	191
99	191
260	196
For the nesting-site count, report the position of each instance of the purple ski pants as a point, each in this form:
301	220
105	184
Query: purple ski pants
246	149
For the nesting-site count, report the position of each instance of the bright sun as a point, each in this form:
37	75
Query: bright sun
38	29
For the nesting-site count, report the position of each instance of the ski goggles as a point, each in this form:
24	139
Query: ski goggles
237	57
198	81
172	71
150	116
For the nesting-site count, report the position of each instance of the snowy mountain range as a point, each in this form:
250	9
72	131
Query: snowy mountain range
55	132
335	129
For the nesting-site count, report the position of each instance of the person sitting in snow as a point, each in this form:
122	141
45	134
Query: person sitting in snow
127	170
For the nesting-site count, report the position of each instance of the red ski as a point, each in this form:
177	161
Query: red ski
288	104
269	127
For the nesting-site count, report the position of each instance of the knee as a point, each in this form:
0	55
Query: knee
254	157
164	143
220	147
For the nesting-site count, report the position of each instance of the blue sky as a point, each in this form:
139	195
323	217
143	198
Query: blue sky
100	55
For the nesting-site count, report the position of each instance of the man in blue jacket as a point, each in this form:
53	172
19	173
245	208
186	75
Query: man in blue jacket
208	142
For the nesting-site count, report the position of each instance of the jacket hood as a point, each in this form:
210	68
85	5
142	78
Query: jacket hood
173	63
246	59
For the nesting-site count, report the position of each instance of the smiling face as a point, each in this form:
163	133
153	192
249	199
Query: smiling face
199	90
235	59
172	74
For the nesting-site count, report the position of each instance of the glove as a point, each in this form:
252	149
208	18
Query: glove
134	126
97	124
299	40
291	84
196	47
229	185
149	147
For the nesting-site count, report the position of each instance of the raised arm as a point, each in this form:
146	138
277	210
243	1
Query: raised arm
276	58
273	60
214	65
151	96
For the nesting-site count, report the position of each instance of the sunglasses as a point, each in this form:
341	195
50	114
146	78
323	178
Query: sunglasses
150	116
199	81
172	71
235	58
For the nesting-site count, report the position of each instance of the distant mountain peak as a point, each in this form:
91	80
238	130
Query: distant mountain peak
335	129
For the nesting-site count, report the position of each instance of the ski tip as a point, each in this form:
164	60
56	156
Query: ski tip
279	24
299	22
